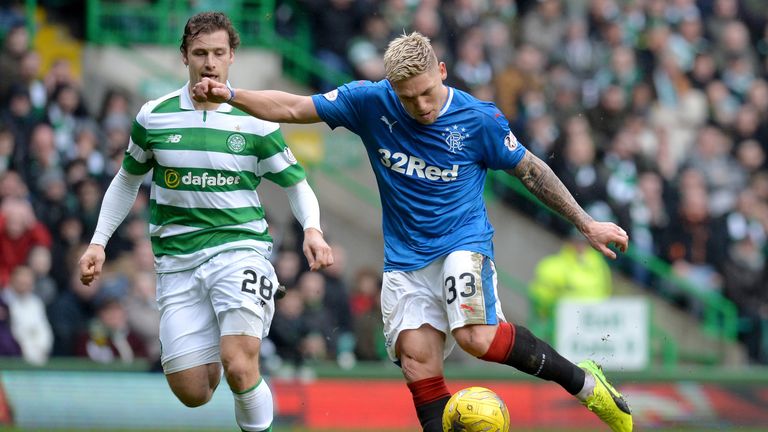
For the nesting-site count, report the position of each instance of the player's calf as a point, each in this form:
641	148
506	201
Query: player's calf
253	399
429	397
516	346
420	358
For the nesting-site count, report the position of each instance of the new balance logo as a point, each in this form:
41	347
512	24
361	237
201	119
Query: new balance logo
173	138
386	122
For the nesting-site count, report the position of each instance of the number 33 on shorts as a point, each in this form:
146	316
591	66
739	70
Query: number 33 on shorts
469	289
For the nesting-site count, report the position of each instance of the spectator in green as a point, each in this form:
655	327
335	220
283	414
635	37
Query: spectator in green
576	271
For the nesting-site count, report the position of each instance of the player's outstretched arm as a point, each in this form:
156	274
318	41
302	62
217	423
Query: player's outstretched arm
271	105
306	210
117	203
539	178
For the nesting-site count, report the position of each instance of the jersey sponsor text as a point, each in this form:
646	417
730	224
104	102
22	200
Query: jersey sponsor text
411	165
203	180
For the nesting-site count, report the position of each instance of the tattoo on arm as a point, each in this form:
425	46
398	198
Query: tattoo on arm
542	182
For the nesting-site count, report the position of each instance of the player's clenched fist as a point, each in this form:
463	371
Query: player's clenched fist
208	90
91	263
318	253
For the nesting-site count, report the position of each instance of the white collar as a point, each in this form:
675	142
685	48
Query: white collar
447	102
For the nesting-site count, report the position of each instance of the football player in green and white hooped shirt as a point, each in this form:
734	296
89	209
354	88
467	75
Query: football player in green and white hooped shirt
215	284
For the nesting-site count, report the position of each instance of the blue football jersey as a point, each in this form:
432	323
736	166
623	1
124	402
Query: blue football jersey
430	177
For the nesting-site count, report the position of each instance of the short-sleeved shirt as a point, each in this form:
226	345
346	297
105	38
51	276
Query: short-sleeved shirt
205	167
430	177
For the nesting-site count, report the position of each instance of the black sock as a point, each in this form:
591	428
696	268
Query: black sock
535	357
431	415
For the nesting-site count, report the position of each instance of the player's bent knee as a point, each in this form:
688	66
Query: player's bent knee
420	364
475	339
240	358
194	394
420	352
194	387
239	366
414	370
194	400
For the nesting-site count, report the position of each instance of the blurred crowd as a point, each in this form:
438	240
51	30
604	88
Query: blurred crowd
654	113
56	160
324	315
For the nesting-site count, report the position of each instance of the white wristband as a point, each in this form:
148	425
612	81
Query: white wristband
231	95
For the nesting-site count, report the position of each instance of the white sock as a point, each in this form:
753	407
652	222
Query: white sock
254	408
589	387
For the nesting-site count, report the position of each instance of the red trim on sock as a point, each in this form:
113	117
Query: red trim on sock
502	344
428	390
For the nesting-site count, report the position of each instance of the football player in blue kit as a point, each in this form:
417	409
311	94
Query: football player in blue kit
430	147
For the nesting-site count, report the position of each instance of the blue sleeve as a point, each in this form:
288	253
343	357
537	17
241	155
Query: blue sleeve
341	106
501	149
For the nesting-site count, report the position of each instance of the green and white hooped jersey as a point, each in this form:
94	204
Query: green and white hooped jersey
206	166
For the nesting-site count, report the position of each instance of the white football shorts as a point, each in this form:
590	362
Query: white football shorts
451	292
230	294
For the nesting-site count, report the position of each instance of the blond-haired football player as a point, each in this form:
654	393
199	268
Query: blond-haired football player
430	147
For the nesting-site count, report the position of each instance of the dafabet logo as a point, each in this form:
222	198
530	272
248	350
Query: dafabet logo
173	179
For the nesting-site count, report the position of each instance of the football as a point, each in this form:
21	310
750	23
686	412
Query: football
475	409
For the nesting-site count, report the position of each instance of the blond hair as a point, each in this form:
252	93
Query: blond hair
408	56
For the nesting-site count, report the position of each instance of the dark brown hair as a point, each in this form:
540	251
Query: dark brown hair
206	23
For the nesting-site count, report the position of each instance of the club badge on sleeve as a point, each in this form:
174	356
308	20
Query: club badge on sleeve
331	95
510	141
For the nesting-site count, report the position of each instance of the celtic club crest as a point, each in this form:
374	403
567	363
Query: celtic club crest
454	137
236	142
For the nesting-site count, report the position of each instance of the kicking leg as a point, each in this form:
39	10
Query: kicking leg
516	346
479	327
421	358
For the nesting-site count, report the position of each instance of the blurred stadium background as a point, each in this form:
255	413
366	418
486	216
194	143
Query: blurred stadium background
653	112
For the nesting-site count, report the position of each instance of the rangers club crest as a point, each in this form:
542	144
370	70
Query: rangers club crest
454	137
510	141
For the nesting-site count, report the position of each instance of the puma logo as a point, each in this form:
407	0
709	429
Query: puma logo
386	121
